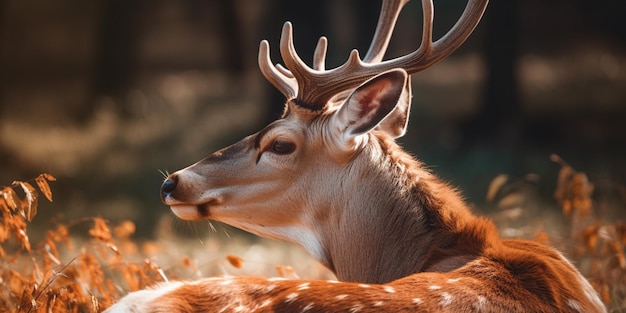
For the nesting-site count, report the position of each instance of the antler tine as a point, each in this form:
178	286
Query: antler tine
461	30
384	29
288	51
302	73
281	78
319	57
428	14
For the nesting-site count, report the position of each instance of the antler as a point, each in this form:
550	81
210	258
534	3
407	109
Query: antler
314	87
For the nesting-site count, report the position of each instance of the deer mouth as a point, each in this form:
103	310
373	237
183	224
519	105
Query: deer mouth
192	212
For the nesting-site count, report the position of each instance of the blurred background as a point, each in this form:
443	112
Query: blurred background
107	95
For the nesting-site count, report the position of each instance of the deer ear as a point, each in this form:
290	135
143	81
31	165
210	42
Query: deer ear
370	104
396	122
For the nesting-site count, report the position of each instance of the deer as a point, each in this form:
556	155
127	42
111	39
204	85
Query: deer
329	176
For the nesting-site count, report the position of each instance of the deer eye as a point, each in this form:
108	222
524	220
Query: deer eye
282	147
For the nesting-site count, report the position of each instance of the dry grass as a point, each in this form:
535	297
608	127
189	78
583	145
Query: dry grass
596	245
35	280
107	264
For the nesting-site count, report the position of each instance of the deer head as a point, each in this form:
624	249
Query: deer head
329	169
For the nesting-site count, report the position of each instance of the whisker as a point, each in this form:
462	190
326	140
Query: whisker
212	227
165	173
194	226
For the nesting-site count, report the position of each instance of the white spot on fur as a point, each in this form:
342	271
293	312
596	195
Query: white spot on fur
480	303
574	305
446	299
240	308
434	287
417	301
226	282
265	303
341	297
215	278
332	281
224	308
355	308
276	279
304	286
389	289
364	286
378	303
290	297
308	307
453	280
269	288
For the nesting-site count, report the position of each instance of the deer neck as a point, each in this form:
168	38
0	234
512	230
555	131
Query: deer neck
399	220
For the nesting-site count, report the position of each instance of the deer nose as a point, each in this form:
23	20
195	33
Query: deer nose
168	186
